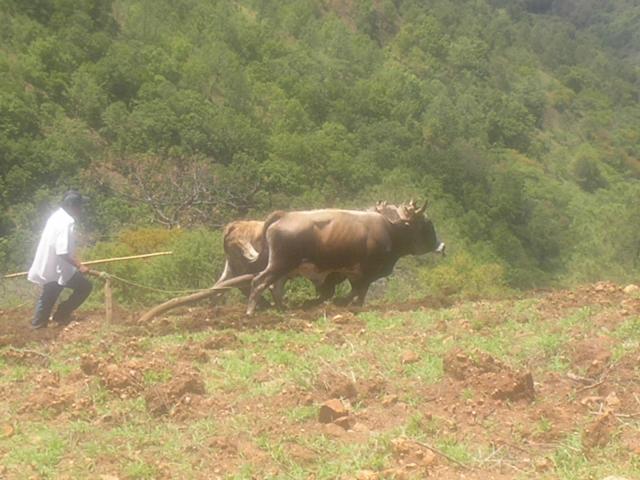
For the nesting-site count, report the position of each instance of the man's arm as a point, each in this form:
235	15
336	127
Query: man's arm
73	261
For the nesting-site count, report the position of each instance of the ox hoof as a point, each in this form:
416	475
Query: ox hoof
341	301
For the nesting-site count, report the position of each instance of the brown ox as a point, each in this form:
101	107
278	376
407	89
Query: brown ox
331	243
243	242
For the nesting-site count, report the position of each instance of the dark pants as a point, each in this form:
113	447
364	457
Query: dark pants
51	291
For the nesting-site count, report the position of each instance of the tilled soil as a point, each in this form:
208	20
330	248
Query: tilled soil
517	417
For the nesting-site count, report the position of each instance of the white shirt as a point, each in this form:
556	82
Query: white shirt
57	239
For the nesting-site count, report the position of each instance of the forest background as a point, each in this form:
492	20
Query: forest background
519	121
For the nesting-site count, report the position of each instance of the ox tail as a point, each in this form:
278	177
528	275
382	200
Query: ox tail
264	253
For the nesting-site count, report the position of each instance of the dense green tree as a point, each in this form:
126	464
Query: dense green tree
520	119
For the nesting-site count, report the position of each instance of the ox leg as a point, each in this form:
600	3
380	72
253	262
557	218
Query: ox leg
360	294
259	284
325	291
230	272
226	273
277	291
347	299
262	303
356	296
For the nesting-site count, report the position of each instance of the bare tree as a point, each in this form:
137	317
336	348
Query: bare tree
181	191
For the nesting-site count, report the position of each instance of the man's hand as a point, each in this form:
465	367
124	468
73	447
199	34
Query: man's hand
76	263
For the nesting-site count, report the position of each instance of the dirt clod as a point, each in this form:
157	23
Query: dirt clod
331	410
89	364
222	341
344	388
514	387
411	454
598	433
389	400
160	399
409	357
488	375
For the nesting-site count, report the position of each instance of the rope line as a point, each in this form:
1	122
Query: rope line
145	287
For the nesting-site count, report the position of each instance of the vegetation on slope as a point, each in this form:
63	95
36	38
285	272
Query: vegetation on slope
519	121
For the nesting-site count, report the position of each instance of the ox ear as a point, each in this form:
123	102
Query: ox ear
405	213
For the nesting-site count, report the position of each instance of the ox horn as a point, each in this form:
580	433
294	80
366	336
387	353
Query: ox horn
423	208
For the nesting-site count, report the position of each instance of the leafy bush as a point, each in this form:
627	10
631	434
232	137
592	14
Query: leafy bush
464	276
196	262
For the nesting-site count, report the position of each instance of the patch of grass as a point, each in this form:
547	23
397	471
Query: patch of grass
629	335
276	450
16	373
376	321
455	449
235	372
429	369
302	413
573	463
468	393
38	446
62	368
140	469
422	428
151	377
544	425
340	458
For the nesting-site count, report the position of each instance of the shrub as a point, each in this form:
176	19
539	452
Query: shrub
196	262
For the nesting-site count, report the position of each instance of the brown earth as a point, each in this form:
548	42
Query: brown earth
529	411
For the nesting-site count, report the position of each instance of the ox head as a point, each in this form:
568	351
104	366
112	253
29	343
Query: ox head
418	232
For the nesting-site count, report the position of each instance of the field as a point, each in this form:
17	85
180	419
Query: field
541	386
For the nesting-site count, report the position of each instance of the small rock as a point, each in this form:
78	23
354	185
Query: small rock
7	431
389	400
89	364
333	430
598	433
360	428
409	357
542	464
630	289
344	388
366	475
340	319
331	410
345	422
612	400
591	399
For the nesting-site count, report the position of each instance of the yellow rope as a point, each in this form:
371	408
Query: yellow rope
145	287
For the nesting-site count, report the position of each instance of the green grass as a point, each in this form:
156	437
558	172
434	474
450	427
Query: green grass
119	436
629	335
37	447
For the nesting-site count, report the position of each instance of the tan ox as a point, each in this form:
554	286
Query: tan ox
243	242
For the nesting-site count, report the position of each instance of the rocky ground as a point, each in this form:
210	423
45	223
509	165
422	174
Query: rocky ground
544	386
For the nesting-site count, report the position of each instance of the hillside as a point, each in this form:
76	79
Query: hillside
519	121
